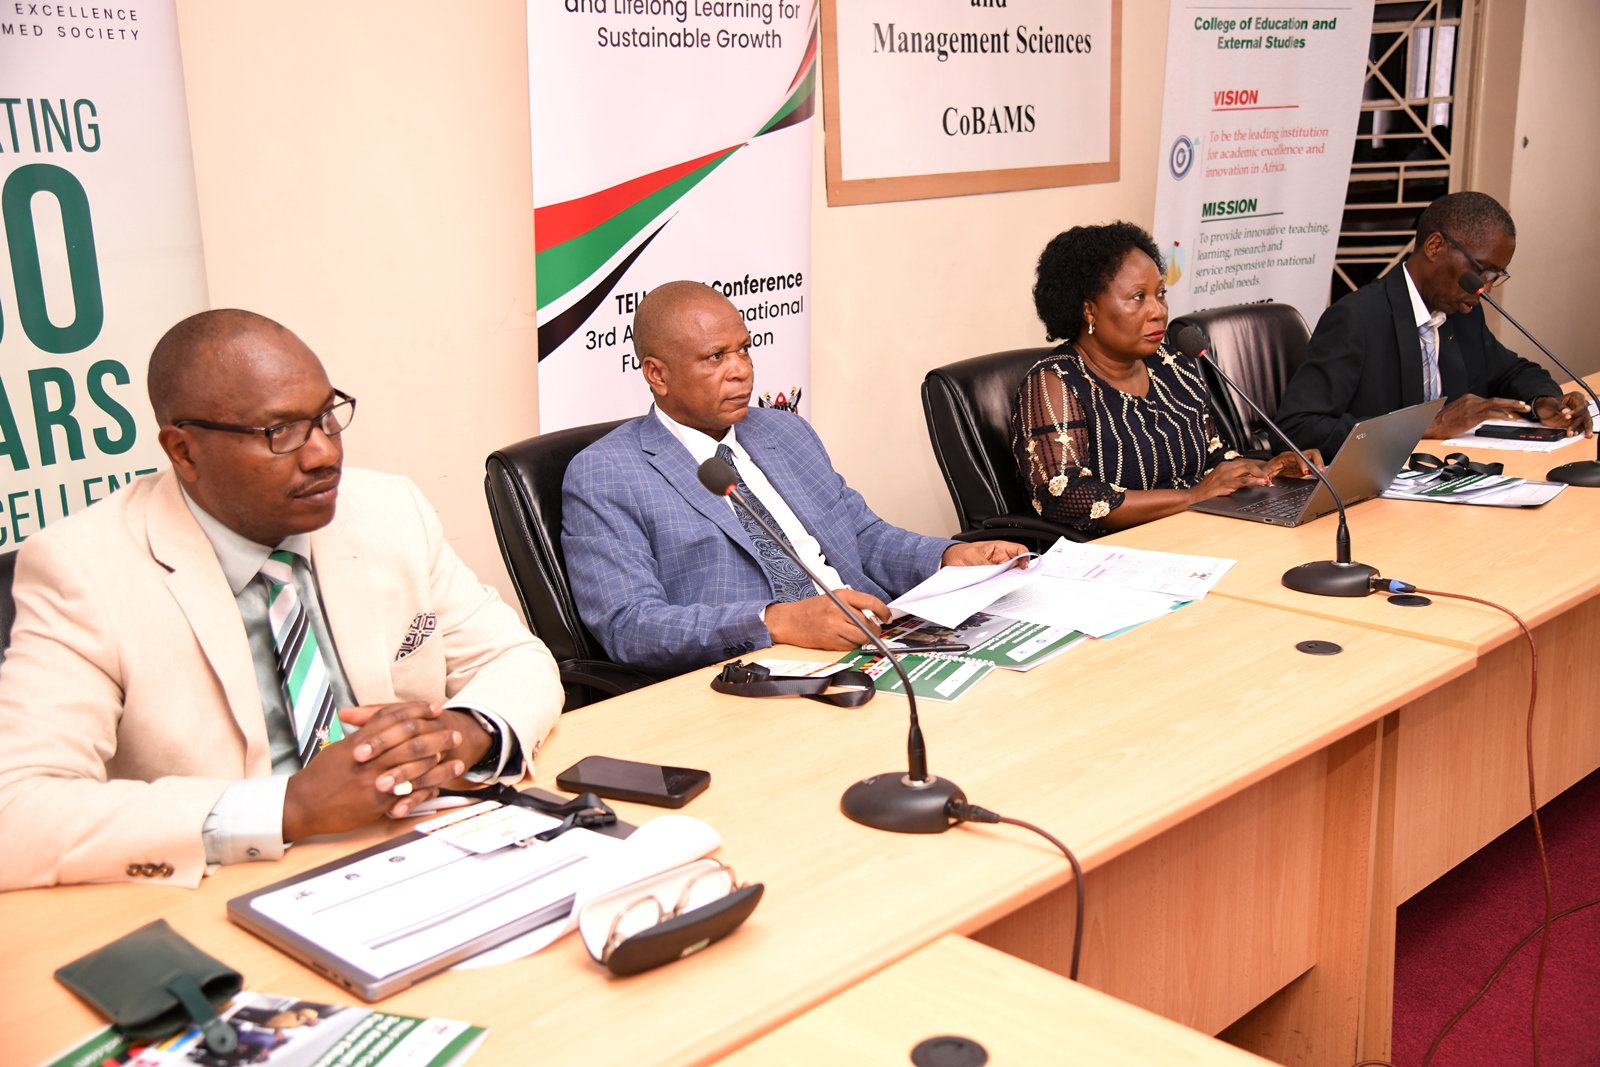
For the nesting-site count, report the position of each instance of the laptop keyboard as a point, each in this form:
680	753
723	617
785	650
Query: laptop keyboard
1288	506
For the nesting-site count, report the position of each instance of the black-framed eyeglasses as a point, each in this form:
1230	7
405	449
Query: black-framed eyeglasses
288	437
1493	279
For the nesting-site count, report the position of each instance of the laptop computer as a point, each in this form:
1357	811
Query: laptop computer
1372	455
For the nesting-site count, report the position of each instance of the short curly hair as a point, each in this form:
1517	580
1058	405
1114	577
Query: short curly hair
1077	266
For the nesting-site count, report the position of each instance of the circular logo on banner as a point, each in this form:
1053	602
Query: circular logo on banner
1181	159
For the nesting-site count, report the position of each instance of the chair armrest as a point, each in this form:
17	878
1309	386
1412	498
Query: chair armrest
611	678
1003	527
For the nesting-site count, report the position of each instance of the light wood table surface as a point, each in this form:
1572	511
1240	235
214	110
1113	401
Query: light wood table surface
1019	1013
1218	785
1455	773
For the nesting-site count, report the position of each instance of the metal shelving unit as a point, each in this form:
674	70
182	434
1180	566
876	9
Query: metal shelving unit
1410	137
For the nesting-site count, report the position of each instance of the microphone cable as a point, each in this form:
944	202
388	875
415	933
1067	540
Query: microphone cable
1391	586
972	813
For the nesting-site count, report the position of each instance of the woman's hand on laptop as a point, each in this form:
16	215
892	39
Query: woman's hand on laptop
1288	465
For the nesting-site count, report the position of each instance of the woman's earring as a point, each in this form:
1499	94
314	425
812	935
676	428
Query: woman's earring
1091	328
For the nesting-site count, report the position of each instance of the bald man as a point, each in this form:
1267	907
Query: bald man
253	647
668	576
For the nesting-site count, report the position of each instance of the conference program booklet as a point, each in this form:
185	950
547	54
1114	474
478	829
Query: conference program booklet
288	1032
995	642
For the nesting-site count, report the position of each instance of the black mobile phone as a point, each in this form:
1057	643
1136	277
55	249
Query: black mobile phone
1522	432
642	783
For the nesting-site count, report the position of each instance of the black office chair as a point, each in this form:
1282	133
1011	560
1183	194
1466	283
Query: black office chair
968	408
1260	346
8	607
523	484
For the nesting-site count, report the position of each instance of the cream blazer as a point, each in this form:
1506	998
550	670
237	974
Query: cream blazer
128	698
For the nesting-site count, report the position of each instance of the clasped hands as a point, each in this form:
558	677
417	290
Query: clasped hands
1570	413
817	622
412	747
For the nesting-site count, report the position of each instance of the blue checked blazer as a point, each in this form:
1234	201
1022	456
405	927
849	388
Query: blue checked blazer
662	571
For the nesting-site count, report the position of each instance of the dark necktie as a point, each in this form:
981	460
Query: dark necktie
789	581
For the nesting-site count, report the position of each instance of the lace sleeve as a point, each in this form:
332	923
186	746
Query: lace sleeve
1051	442
1216	451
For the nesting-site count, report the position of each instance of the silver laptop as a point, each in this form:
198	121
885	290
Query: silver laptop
1370	458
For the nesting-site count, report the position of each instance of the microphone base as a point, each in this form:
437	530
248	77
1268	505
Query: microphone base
1585	472
1327	578
890	801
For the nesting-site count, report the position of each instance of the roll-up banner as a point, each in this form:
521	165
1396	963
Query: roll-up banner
102	248
1257	129
671	139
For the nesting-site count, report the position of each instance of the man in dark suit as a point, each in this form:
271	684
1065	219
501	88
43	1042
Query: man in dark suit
1415	335
668	576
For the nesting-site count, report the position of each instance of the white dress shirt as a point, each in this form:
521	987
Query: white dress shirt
1426	319
246	823
702	447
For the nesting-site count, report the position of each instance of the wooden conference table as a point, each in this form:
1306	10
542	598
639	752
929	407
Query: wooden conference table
1241	809
1019	1013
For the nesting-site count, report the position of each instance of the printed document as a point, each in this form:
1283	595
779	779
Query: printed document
1177	575
951	595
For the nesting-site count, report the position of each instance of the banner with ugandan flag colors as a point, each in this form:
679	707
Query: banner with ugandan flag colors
671	139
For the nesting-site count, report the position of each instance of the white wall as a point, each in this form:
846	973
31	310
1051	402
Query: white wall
364	177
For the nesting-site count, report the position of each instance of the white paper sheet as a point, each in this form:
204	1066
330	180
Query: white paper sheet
1189	577
1095	608
951	595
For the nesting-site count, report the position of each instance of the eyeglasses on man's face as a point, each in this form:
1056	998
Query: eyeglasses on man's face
1492	279
288	437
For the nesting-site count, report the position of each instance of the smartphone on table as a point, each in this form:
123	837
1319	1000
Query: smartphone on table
641	783
1521	431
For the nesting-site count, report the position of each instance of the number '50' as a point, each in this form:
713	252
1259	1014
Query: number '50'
16	207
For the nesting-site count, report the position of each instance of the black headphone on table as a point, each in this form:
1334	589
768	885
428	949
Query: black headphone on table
1455	465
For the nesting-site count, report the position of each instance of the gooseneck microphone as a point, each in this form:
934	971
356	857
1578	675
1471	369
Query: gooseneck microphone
1339	576
911	803
1584	472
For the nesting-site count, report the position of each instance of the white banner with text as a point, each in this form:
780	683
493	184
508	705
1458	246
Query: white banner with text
671	140
102	249
1257	129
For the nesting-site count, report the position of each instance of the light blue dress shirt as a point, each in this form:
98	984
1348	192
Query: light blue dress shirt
246	823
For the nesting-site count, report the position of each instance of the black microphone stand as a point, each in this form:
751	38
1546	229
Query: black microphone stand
1584	472
911	803
1339	576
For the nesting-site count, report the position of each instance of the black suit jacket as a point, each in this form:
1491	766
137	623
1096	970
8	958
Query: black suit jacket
1365	359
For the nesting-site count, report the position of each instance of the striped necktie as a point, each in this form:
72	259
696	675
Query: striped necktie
301	668
1431	387
788	580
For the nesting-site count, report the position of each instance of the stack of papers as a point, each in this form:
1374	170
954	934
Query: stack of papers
1098	590
1019	614
994	643
1488	490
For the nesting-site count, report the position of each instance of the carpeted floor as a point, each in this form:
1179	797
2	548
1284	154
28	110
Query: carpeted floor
1453	934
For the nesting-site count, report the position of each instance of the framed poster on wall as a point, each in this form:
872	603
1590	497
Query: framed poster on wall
952	97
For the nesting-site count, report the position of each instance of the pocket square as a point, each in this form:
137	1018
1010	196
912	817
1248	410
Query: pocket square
420	630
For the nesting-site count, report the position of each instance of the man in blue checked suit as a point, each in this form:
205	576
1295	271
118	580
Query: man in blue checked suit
670	577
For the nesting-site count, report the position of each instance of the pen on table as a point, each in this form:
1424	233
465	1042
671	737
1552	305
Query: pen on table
953	646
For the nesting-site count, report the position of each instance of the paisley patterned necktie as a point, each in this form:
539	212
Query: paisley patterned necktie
788	580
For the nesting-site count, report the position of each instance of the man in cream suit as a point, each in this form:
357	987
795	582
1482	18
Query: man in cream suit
254	647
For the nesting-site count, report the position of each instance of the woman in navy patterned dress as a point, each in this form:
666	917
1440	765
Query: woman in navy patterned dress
1113	430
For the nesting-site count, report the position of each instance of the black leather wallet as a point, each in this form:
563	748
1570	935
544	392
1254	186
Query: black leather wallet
153	982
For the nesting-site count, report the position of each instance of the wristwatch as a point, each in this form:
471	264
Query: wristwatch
491	758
